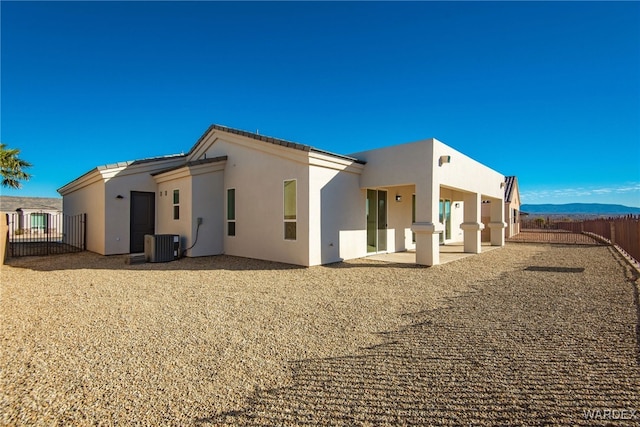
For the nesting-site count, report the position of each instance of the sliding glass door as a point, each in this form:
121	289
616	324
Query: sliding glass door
376	221
445	218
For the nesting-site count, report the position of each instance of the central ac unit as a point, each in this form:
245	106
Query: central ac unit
161	247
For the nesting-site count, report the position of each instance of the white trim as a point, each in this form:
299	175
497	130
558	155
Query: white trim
300	156
105	173
285	220
244	141
187	171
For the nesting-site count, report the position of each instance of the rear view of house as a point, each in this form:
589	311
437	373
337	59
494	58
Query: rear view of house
248	195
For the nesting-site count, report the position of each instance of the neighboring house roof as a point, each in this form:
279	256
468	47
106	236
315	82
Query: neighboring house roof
271	140
511	184
13	203
192	163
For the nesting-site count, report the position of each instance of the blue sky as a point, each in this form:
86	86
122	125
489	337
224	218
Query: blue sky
546	91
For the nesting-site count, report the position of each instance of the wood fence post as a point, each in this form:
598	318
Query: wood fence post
4	238
613	232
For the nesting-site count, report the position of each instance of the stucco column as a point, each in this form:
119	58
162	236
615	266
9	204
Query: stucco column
426	226
472	224
497	224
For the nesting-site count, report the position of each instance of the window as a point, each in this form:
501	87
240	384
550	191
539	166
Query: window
39	221
176	204
231	212
413	217
290	209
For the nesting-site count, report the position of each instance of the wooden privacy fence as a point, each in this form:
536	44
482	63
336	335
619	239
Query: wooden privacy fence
540	230
42	233
621	231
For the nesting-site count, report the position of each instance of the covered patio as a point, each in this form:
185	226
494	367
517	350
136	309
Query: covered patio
448	253
446	189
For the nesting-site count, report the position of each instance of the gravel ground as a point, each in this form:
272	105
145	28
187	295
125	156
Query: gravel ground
516	336
553	236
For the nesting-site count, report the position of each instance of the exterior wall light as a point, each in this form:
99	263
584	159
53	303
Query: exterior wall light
119	196
398	198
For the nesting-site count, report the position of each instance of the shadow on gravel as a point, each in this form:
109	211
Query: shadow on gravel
89	260
555	269
93	261
373	264
509	352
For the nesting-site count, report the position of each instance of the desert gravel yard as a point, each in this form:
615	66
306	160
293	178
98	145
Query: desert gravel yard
524	335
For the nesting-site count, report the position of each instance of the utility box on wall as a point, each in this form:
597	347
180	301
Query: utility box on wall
161	247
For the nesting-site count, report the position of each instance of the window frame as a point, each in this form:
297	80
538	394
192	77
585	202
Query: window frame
176	205
228	219
288	221
413	217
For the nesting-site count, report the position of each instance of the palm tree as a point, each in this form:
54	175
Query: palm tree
11	167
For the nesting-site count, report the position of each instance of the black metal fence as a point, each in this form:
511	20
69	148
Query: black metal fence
44	233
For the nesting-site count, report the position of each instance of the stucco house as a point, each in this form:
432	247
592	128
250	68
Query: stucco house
245	194
512	206
511	209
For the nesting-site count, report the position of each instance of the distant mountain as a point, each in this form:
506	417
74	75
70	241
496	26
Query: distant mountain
11	203
580	209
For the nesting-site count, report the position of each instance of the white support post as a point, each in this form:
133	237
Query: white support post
472	224
427	243
426	226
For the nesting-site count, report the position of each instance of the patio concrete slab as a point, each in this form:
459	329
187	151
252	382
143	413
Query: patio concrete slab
448	253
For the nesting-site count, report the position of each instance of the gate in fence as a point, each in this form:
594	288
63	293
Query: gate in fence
43	233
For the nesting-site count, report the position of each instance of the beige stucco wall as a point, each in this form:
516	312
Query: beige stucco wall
337	221
89	199
108	218
118	211
399	236
201	196
465	173
209	205
257	171
165	224
397	165
513	222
